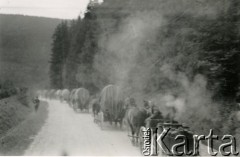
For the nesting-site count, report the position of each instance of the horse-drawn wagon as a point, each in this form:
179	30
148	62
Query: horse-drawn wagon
65	95
112	106
81	98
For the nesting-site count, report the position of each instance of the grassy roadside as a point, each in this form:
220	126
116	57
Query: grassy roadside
17	140
13	111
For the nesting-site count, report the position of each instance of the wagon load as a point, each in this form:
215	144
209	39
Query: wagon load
65	95
81	99
112	104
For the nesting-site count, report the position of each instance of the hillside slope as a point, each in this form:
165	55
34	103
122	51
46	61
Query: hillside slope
25	46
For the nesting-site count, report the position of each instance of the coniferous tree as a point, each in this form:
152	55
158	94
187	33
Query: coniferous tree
60	48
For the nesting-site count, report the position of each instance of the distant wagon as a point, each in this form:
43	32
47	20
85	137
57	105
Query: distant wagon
81	99
112	105
65	95
58	94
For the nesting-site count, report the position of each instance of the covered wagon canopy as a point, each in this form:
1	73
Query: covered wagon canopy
82	96
58	93
112	100
65	94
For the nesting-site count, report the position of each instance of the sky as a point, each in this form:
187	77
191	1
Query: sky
63	9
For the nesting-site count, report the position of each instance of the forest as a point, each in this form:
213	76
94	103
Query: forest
179	53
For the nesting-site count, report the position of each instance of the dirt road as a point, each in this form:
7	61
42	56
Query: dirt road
68	133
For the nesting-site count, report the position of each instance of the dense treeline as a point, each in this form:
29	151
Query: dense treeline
182	53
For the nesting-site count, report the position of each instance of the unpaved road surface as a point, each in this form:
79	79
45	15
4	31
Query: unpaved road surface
68	133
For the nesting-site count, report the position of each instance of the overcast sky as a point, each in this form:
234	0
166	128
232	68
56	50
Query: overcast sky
64	9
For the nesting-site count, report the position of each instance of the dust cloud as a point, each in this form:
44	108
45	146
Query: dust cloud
122	50
127	59
193	102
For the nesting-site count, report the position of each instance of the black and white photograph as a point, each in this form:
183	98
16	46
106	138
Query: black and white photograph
119	77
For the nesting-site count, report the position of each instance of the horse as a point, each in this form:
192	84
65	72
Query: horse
135	119
95	107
